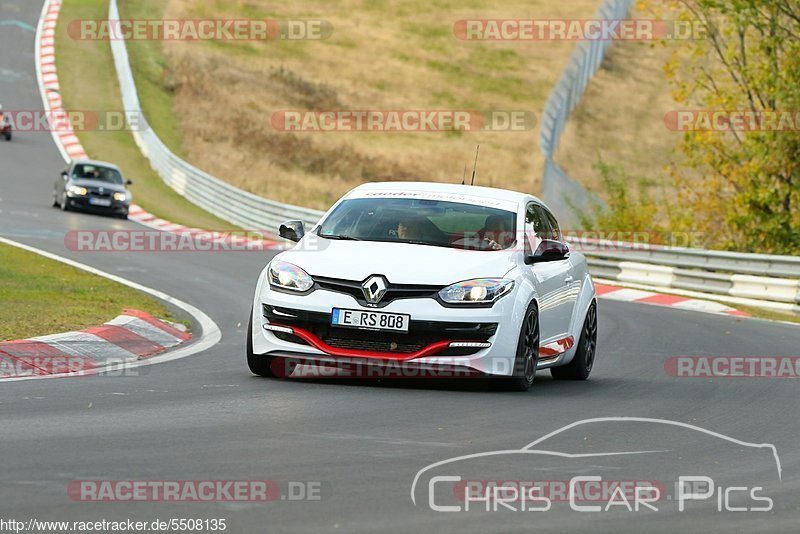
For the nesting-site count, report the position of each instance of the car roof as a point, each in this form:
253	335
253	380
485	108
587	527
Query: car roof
438	187
95	162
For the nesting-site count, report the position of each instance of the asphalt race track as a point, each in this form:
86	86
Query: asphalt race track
205	417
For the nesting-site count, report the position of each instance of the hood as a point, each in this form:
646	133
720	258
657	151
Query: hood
400	263
99	183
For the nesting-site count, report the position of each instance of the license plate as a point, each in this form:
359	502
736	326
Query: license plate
99	202
395	322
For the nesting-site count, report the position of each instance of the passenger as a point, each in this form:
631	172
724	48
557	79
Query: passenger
495	232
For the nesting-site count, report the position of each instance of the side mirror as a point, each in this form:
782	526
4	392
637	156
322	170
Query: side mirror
292	230
548	250
64	175
128	182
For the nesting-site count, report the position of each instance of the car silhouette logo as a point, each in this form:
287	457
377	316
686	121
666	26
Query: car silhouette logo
374	288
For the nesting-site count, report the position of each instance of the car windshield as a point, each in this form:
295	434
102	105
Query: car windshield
85	171
421	221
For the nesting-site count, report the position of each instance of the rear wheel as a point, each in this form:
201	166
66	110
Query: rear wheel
583	361
527	357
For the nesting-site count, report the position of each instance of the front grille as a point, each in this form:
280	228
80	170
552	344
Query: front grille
393	291
420	333
371	344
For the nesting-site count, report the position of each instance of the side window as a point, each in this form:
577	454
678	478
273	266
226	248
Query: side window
555	232
535	223
534	228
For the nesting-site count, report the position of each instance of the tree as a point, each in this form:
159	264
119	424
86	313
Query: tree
748	59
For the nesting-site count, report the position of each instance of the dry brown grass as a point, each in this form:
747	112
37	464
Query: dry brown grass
388	54
621	118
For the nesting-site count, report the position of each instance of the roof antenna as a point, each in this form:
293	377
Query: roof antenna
464	176
475	165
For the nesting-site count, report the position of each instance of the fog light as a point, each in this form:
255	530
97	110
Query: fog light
276	328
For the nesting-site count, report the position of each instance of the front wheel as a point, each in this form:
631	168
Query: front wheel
267	366
64	204
527	357
583	361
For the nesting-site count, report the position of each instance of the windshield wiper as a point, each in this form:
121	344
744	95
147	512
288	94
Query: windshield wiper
339	237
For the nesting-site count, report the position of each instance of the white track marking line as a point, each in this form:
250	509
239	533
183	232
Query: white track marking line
211	334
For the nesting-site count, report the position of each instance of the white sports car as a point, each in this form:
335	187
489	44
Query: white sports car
427	276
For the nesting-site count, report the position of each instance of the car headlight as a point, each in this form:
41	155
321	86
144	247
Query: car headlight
478	291
288	276
77	190
120	196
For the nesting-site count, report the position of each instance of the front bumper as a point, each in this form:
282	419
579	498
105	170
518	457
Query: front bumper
82	203
316	340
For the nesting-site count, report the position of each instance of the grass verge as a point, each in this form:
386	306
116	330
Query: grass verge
380	55
89	82
40	296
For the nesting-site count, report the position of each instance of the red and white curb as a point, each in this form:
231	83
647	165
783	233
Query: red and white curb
71	148
64	136
127	338
659	299
207	336
239	242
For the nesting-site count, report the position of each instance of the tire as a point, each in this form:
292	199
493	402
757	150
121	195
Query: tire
266	366
63	204
55	200
527	357
581	365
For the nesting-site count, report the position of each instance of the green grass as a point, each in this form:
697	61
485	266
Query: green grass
154	79
39	296
88	82
770	315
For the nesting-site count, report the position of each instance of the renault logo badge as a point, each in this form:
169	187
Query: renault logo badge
374	288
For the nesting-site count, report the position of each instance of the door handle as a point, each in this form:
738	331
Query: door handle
568	279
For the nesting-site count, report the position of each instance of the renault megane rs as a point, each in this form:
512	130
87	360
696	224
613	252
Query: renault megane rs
430	276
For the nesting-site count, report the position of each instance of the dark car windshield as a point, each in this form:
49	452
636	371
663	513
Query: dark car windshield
85	171
420	221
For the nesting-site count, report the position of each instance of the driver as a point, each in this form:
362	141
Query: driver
411	230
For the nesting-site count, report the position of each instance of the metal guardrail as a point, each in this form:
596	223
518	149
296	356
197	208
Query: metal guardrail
227	202
762	278
562	193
